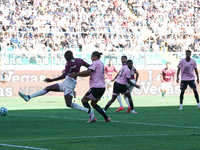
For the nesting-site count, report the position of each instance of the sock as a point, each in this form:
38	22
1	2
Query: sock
78	107
100	110
196	96
86	105
133	111
119	100
198	104
131	105
181	97
127	101
181	105
106	107
38	93
74	93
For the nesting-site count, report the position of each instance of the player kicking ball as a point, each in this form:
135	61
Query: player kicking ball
166	77
120	85
187	66
72	65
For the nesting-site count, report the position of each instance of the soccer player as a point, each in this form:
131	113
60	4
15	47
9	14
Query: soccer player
4	78
120	85
109	69
187	66
72	65
121	107
97	85
134	80
166	77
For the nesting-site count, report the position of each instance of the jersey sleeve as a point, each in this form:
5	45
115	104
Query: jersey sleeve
106	69
93	66
114	69
195	65
173	72
180	65
83	62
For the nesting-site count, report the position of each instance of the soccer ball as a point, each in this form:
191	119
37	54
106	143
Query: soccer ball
3	111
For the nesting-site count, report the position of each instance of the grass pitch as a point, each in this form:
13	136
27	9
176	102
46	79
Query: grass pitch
46	123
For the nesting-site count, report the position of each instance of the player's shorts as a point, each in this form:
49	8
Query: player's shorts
165	86
120	88
68	86
184	84
130	87
108	83
61	86
95	93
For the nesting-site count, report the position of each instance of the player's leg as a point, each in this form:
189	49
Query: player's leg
68	88
163	90
121	107
183	87
74	93
114	96
55	88
130	87
95	97
192	84
128	95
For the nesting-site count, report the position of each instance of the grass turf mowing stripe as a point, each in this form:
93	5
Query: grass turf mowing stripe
152	124
102	136
18	146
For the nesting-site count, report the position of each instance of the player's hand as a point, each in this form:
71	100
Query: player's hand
137	86
47	80
112	80
197	81
177	80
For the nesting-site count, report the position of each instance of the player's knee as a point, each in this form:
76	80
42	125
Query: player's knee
48	88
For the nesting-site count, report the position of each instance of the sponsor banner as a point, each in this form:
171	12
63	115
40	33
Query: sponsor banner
29	82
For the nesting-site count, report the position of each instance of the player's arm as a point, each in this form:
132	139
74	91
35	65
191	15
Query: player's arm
177	77
115	77
55	79
137	75
86	65
197	74
129	81
161	76
81	74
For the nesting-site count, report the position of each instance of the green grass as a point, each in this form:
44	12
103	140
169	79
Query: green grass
46	123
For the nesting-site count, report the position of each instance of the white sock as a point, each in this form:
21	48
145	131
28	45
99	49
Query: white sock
181	105
127	101
133	111
38	93
78	107
198	104
119	100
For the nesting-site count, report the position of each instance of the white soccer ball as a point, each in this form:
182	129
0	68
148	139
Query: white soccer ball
3	111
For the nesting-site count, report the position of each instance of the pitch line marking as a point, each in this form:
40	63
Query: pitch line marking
102	136
18	146
152	124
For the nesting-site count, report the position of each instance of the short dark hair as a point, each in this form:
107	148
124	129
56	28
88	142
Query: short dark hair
96	53
68	53
124	57
188	51
129	61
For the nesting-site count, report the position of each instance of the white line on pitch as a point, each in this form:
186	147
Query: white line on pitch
152	124
100	136
26	147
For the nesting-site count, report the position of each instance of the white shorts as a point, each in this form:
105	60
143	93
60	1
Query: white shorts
108	83
130	87
68	86
165	86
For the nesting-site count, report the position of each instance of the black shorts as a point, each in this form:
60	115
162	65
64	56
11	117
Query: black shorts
95	93
184	84
120	88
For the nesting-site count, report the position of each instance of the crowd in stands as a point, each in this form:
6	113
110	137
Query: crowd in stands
106	25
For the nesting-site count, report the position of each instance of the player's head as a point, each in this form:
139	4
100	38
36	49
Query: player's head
129	63
188	53
124	59
96	55
4	74
110	62
168	65
68	55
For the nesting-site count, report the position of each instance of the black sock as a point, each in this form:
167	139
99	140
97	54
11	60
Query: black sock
74	94
181	97
131	105
196	96
100	110
106	107
29	96
86	105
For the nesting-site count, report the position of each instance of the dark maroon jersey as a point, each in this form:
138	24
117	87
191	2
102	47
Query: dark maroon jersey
167	74
73	65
